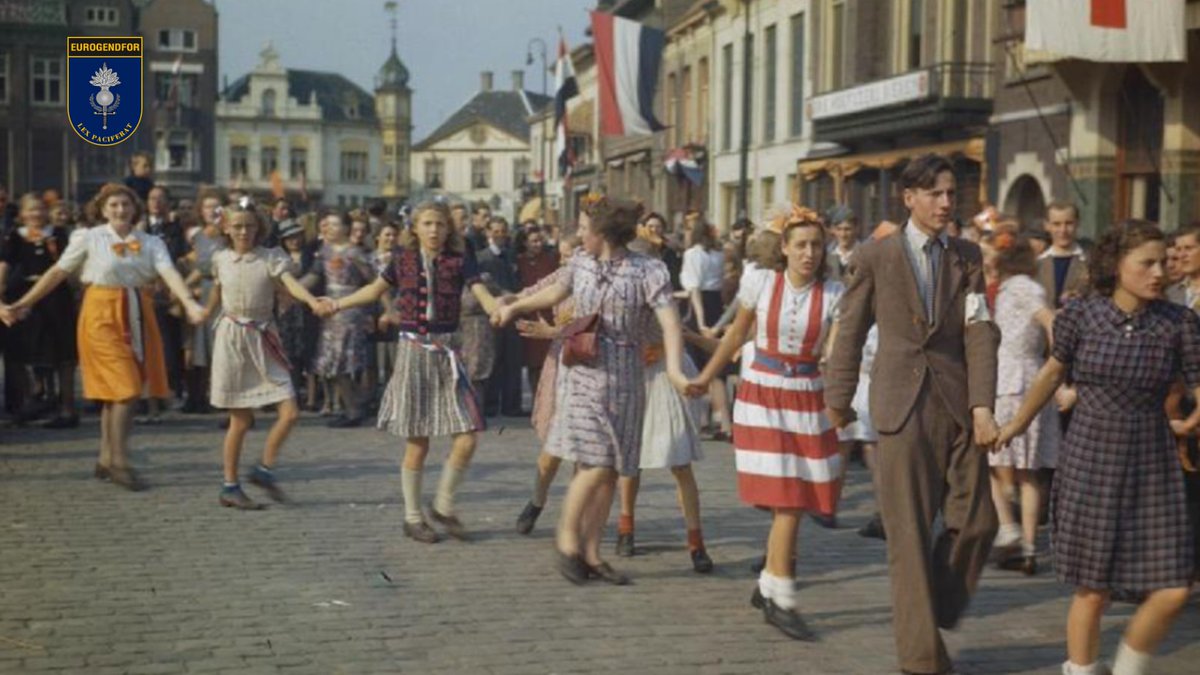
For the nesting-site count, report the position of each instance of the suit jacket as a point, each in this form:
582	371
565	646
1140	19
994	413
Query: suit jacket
1075	284
501	270
960	358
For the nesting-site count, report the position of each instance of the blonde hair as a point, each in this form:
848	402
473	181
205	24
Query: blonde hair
408	239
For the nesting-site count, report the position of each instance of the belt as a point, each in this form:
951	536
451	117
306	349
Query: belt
269	337
785	365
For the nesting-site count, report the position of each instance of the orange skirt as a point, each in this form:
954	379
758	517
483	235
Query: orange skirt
109	365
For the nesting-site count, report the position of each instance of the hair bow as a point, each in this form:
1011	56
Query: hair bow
795	216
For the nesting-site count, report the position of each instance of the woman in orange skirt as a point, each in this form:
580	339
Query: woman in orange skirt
120	350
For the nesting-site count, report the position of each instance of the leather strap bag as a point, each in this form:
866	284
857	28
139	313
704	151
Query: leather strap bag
580	341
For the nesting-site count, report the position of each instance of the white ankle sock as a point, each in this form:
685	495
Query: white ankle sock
1129	661
1070	668
452	477
410	487
781	590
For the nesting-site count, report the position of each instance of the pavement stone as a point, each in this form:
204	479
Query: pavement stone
97	580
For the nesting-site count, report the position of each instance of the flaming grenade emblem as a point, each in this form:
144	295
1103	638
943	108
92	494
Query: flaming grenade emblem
104	102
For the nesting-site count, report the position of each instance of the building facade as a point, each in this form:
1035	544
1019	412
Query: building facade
179	96
483	151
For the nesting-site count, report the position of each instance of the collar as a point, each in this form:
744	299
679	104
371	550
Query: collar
47	232
248	256
1076	252
1118	316
133	232
918	239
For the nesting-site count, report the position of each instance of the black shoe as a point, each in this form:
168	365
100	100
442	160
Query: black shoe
571	567
62	422
605	572
421	532
452	524
266	480
788	621
101	472
873	529
344	422
127	478
1026	564
528	518
827	522
757	601
625	545
701	563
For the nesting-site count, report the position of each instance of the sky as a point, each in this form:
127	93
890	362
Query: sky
444	43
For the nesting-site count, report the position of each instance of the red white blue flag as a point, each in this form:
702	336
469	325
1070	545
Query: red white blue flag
628	56
565	88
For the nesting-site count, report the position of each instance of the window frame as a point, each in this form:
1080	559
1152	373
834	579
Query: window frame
486	173
46	78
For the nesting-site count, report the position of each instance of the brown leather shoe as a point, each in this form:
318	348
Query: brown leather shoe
101	472
235	498
421	532
127	478
605	572
451	524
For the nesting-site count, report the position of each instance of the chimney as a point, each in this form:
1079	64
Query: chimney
518	77
485	80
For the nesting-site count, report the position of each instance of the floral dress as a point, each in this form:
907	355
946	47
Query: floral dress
342	347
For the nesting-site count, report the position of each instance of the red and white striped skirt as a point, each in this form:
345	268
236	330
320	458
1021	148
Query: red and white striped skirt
786	448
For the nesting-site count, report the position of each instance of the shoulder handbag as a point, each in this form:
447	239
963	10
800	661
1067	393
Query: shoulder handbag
580	346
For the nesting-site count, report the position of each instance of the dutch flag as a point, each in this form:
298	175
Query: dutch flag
628	55
565	87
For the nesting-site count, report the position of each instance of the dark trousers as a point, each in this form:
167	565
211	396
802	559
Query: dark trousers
932	465
171	329
503	392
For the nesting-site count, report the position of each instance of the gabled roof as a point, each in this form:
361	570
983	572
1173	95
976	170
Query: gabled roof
334	94
508	111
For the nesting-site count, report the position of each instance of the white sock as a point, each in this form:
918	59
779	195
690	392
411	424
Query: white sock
410	487
1129	661
1070	668
452	477
781	590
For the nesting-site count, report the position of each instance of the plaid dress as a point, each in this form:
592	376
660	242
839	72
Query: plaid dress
1120	520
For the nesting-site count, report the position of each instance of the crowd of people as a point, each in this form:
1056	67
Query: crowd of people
993	375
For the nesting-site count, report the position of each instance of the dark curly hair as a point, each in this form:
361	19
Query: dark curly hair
1114	245
614	220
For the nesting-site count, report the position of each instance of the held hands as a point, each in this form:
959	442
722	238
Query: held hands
841	418
680	382
986	431
325	307
696	387
11	314
195	313
1065	398
503	316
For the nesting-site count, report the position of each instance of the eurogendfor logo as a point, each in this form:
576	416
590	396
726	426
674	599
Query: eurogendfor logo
104	88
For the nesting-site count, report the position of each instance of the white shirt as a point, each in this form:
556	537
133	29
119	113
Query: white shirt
755	292
93	251
702	270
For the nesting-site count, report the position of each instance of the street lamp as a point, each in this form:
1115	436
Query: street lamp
541	150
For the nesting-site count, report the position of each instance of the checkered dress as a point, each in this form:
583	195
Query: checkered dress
1120	519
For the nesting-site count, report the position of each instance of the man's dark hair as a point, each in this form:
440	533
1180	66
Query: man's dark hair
922	172
1062	205
1192	230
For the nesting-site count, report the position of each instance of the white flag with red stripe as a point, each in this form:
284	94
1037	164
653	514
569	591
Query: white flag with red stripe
1129	31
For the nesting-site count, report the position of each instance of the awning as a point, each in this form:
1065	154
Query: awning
841	168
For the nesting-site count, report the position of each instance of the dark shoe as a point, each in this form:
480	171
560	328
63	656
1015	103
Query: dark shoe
1026	564
701	563
266	480
788	621
452	524
233	497
127	478
571	567
421	532
605	572
757	601
1029	566
528	518
721	436
873	529
62	422
101	472
827	522
344	422
625	545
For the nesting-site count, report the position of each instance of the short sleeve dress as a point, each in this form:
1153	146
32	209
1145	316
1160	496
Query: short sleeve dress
1120	520
342	347
598	414
250	367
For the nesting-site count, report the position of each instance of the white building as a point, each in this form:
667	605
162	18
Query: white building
311	134
482	152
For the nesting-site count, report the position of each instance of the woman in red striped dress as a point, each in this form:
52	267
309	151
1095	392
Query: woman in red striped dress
787	453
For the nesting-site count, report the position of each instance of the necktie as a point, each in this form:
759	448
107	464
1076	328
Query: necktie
931	268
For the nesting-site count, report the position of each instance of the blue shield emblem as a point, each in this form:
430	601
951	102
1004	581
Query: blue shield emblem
104	88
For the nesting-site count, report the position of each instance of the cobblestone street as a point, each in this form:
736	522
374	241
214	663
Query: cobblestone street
96	580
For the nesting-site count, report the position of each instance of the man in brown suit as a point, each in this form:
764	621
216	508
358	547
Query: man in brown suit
931	399
1062	268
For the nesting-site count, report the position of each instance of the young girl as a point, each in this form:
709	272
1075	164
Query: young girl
120	350
787	454
249	366
429	393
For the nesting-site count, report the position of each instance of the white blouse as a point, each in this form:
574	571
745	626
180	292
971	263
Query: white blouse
702	270
755	292
108	260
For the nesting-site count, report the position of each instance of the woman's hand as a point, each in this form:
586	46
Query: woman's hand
195	313
539	329
1065	398
680	382
11	314
1182	428
1185	457
503	316
697	386
325	307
